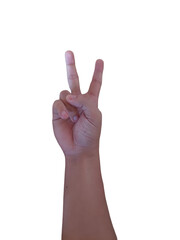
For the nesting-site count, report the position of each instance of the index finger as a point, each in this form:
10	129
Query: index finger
72	75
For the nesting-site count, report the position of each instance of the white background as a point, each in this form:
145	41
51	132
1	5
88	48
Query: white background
139	42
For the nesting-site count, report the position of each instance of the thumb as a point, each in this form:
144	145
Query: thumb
81	101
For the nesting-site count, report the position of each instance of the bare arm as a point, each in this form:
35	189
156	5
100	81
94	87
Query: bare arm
85	214
85	211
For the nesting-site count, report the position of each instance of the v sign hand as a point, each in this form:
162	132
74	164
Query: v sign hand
76	117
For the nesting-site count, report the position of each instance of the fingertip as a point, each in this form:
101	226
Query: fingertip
69	51
69	56
99	65
75	118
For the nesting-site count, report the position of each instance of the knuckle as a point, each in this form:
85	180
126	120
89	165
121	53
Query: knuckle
99	113
55	104
63	94
93	99
97	81
72	76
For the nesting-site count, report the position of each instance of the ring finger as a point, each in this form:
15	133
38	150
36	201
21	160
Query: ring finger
72	111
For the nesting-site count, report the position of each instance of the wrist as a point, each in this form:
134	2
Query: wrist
84	154
84	162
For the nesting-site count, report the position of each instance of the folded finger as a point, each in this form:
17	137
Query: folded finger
59	110
72	111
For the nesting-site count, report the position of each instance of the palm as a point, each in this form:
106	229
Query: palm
85	132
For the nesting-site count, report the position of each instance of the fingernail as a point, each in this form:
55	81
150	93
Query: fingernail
75	118
69	57
64	114
71	97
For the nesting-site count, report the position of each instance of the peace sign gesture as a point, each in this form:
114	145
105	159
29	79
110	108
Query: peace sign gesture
76	117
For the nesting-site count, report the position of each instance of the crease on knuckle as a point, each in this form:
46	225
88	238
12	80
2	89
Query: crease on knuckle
72	76
96	81
63	93
55	103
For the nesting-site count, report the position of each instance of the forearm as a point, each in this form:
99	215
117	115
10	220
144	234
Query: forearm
85	211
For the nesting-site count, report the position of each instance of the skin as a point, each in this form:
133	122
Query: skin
77	127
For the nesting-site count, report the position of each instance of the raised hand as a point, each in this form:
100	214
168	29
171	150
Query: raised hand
76	117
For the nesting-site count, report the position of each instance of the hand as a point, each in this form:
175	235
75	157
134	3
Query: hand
76	117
